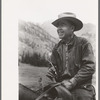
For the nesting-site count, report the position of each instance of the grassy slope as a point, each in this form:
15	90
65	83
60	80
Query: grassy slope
30	75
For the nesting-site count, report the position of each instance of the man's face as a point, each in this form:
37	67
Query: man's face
64	30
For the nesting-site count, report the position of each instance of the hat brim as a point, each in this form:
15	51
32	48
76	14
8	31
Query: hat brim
77	23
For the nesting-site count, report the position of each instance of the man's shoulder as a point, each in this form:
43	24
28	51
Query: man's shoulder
82	40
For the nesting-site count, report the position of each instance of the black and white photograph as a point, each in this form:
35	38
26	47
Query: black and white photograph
50	50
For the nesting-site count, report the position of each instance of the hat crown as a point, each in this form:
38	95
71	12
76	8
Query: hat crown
67	14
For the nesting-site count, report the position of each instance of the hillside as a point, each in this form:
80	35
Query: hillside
41	39
33	38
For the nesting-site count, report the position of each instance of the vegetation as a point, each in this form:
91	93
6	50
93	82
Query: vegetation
35	59
34	43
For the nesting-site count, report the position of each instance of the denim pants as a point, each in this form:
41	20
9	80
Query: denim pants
83	94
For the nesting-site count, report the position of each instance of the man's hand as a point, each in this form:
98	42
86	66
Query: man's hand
52	73
67	84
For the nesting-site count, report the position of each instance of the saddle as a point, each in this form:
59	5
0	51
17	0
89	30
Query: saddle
55	90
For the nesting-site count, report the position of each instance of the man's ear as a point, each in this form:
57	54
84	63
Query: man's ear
73	28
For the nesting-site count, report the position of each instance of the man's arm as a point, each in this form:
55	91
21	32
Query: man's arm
88	66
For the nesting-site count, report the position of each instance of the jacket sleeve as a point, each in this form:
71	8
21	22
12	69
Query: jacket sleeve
87	67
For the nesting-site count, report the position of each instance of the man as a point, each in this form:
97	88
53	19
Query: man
73	59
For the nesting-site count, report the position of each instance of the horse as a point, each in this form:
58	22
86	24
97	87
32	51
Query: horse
27	94
50	92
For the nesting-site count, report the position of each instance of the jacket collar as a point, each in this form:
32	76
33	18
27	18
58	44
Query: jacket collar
70	42
59	47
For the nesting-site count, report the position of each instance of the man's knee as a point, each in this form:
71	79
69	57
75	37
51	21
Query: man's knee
82	94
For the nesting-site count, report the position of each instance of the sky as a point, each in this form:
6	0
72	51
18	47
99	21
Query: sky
39	11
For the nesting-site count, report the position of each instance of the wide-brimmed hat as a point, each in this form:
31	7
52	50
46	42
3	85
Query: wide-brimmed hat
71	17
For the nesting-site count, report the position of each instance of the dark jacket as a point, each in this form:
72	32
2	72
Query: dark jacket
80	60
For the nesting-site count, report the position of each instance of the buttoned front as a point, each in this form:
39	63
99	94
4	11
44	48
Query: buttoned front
65	60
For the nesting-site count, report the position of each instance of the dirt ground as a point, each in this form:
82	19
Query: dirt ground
30	76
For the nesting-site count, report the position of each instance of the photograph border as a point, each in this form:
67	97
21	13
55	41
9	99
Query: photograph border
1	78
98	49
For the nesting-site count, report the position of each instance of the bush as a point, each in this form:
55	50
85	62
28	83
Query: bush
35	59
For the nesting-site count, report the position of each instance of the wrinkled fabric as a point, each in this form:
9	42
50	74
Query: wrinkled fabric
83	94
81	63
